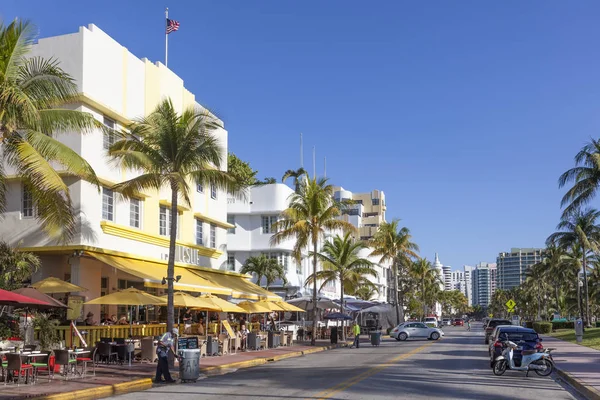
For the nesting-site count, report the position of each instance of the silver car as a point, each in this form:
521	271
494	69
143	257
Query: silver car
416	330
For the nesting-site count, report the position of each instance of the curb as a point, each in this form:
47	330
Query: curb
590	392
102	391
146	383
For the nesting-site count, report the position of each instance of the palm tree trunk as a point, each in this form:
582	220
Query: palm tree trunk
423	298
557	294
395	273
342	308
171	265
585	289
314	311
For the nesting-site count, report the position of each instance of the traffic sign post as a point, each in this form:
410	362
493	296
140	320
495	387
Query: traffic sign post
510	304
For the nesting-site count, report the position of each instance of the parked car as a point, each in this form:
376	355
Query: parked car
446	322
415	330
525	338
458	322
491	325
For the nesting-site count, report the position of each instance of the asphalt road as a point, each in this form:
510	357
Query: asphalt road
456	367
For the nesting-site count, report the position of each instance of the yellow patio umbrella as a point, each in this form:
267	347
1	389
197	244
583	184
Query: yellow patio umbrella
288	307
254	308
181	299
271	305
128	297
215	303
55	285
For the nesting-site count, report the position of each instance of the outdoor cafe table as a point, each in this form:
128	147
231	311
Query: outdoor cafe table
27	356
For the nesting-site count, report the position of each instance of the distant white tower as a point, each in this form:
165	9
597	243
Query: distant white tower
440	268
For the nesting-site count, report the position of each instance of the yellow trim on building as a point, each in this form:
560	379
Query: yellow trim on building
213	221
104	109
126	232
167	204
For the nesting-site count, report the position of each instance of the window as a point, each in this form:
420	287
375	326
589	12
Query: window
213	191
213	236
199	188
164	221
231	220
282	259
199	226
109	137
134	213
299	268
108	204
231	261
267	223
375	202
27	203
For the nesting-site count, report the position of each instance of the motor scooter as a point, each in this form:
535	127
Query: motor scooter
539	361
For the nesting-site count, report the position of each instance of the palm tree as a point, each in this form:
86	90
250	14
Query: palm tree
170	150
428	280
394	244
553	269
266	181
16	266
32	90
341	262
586	178
263	266
312	213
366	291
297	175
536	285
579	229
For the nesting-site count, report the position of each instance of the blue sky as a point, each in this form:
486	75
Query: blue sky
464	113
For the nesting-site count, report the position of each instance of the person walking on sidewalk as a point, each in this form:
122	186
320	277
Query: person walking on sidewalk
165	344
356	331
468	325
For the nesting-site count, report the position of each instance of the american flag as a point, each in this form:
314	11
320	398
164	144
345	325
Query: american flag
172	25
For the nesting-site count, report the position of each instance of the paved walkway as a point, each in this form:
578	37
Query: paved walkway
114	374
582	363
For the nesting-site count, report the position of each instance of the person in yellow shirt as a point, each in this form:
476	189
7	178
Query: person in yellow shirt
356	331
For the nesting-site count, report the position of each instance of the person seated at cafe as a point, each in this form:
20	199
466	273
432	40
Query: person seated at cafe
201	331
187	321
123	320
243	335
89	320
113	319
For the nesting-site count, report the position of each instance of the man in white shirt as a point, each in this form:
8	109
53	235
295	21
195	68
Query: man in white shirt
165	344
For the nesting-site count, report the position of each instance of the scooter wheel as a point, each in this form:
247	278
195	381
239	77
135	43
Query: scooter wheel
499	367
548	364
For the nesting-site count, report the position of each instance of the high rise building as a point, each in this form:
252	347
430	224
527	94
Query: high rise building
513	265
468	270
483	283
366	214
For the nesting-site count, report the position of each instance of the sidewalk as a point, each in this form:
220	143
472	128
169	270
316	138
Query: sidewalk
578	365
115	379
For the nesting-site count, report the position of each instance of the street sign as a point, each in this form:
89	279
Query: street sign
510	304
511	310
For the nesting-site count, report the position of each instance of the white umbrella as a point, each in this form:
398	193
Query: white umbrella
306	303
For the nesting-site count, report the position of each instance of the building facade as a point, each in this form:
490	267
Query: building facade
483	282
513	265
468	271
122	243
366	214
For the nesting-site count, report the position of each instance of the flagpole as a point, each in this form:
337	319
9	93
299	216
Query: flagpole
166	38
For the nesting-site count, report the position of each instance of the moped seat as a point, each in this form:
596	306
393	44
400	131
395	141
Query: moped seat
528	352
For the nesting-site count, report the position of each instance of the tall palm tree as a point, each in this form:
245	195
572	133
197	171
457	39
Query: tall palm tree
170	150
428	280
536	285
553	269
579	229
297	175
366	291
312	212
394	244
16	266
341	262
264	267
585	175
32	90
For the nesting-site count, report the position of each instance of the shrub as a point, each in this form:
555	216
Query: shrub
542	327
563	325
529	324
597	324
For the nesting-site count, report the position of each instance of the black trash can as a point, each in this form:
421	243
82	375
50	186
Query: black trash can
375	338
334	335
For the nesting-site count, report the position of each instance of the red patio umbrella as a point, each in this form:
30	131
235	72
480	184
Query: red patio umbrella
10	298
36	294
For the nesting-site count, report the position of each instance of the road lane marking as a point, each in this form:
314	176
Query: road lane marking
326	394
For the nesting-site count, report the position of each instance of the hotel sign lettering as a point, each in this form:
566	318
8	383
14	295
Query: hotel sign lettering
184	254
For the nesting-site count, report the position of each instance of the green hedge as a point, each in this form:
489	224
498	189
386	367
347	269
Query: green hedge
542	327
597	324
563	325
529	324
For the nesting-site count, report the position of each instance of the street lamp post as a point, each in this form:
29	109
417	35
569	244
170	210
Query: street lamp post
579	299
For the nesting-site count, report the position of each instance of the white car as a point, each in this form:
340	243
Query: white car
431	320
415	330
447	322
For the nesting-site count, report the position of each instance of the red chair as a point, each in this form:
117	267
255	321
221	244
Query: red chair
85	360
16	367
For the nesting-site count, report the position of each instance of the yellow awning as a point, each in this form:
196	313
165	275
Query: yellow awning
241	287
152	274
